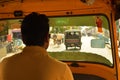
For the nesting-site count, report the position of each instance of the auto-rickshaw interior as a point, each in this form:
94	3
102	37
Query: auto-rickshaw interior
82	37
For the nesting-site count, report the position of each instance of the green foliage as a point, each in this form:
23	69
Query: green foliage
4	31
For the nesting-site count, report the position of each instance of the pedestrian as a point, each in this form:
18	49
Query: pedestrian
34	63
99	24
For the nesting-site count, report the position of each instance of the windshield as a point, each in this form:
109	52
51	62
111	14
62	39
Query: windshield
73	38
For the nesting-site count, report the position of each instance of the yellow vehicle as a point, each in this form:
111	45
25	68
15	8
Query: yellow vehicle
98	58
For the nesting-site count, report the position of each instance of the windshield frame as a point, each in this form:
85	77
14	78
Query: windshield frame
83	15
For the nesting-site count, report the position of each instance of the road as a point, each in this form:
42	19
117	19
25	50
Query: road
86	47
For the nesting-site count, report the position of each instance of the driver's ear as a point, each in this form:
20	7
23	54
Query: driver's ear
23	39
47	38
46	41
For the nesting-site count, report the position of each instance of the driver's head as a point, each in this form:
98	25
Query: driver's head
35	29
